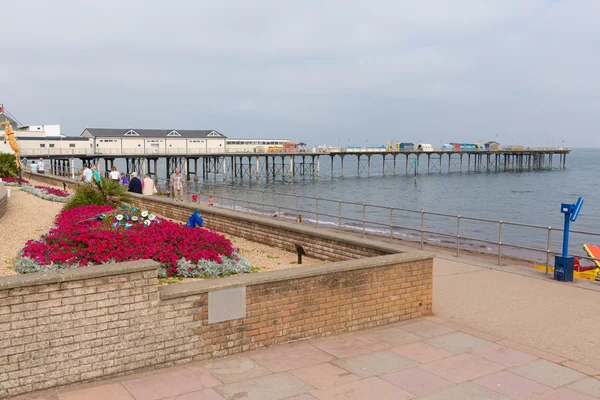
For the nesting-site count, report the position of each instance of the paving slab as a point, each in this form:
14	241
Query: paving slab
325	375
290	356
462	367
234	369
370	388
379	362
514	386
396	336
416	380
465	391
421	352
170	383
426	329
589	386
502	355
547	373
111	391
270	387
208	394
565	394
457	342
351	345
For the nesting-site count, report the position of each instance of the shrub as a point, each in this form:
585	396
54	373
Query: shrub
106	192
13	181
8	165
47	193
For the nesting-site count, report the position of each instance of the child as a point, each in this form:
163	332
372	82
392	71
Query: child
124	180
210	201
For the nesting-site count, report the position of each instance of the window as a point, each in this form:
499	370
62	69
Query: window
71	144
51	144
213	134
42	145
131	132
173	133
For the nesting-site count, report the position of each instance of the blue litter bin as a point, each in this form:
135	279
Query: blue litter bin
563	268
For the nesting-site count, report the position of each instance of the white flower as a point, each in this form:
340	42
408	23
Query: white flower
144	214
151	217
119	217
147	222
134	218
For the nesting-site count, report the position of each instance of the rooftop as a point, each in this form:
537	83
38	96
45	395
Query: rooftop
153	133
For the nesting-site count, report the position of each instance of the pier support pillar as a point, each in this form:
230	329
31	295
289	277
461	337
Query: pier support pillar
428	162
368	165
358	165
342	162
394	164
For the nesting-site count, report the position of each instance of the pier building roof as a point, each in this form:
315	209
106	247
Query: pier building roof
152	133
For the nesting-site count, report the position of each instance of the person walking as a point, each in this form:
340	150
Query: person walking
177	185
114	174
135	185
148	188
41	167
86	174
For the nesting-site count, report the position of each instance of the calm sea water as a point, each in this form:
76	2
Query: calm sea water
528	197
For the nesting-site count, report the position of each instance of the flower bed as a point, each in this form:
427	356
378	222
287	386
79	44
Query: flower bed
93	235
14	181
47	193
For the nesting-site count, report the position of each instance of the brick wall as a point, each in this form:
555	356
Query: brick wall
71	326
3	200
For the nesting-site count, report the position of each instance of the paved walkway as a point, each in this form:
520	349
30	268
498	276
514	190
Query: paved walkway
474	348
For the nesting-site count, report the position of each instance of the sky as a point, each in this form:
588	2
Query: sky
337	72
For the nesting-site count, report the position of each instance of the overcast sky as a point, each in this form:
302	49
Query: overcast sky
334	71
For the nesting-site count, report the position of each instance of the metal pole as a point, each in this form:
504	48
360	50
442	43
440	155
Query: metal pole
262	212
458	236
391	224
500	243
278	204
422	228
297	208
364	220
548	249
339	215
317	211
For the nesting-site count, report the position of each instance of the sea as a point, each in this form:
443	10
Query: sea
529	197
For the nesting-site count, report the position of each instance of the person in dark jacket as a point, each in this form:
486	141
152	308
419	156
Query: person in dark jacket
135	185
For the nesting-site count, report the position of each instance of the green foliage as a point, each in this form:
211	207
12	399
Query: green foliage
230	265
8	166
106	192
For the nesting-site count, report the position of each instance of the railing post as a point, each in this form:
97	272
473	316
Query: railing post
548	249
422	228
391	224
234	202
339	215
297	206
262	209
364	219
500	243
458	236
317	211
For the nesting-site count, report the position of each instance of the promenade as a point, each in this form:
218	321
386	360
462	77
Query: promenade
498	333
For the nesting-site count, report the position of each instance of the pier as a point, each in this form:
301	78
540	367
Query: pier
231	166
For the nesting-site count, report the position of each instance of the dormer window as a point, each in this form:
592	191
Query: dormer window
213	134
173	133
131	132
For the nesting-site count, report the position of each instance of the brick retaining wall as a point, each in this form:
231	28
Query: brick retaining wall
70	326
3	200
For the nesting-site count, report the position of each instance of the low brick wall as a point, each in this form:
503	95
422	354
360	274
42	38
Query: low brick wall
71	326
324	244
3	200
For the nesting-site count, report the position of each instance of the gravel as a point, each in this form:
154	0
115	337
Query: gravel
26	218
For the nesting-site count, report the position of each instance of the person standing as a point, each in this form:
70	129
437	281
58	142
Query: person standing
135	185
41	167
148	188
124	179
114	174
95	174
177	185
86	175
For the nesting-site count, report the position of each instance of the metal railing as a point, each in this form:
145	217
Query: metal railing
392	223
